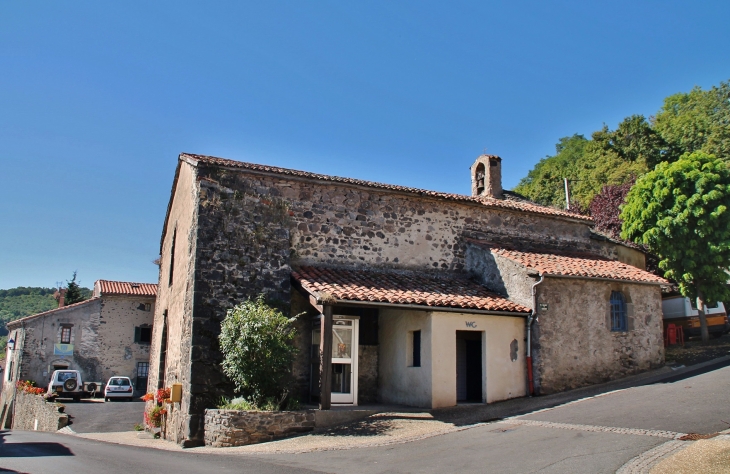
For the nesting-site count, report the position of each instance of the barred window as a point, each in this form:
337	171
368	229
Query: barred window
619	320
66	335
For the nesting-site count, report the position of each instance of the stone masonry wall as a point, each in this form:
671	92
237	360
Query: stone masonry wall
224	428
174	313
31	408
574	345
367	374
120	354
41	333
241	232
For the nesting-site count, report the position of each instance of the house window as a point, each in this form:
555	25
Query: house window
145	307
66	335
143	369
414	349
619	320
143	335
172	257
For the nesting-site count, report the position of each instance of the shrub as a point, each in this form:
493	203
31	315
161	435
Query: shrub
153	416
256	341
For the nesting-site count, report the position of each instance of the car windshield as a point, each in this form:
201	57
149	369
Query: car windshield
120	382
63	376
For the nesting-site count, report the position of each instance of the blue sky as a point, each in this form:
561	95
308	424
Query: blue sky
97	99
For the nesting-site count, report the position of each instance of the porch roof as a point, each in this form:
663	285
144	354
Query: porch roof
401	288
579	265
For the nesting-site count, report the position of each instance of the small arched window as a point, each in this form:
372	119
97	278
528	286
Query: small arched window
479	178
619	320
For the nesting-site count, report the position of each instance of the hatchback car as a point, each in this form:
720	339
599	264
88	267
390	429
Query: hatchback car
119	387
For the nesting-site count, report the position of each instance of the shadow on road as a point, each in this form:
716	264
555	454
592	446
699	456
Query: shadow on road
30	450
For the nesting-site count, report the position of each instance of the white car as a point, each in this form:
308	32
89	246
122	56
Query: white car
119	387
67	384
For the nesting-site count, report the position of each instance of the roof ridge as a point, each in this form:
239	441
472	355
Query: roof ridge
585	266
50	311
515	205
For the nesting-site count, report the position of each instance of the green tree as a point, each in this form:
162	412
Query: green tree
697	121
610	158
73	292
544	183
256	341
681	211
634	141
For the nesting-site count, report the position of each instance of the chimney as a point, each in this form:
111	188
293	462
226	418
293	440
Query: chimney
486	176
60	296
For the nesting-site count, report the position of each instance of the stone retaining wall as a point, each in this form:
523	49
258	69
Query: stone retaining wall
225	428
30	409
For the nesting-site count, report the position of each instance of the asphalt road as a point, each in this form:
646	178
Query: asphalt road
695	405
587	444
98	416
39	453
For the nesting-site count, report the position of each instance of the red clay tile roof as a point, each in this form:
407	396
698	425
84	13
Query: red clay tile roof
581	266
401	288
113	288
513	204
50	311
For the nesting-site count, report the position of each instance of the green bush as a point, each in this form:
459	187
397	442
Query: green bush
256	341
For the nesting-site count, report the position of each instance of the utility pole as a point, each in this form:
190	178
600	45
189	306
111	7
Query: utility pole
567	194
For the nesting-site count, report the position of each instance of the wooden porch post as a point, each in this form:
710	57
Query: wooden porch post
325	359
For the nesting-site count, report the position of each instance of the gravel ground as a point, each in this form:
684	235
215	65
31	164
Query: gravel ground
377	430
706	456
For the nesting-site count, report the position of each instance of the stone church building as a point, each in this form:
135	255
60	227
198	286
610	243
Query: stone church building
405	296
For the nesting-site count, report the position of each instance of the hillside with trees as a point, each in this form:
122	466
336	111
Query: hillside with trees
695	121
22	301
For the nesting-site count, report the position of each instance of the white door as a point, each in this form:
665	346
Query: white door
344	360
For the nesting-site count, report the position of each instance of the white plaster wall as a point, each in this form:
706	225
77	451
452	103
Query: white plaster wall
400	383
505	378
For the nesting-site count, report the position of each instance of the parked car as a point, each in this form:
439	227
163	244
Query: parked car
67	384
680	311
119	387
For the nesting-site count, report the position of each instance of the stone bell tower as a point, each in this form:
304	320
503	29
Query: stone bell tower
486	176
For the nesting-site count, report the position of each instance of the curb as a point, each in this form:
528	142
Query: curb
470	414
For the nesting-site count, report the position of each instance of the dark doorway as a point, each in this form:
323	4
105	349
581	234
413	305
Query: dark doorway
469	366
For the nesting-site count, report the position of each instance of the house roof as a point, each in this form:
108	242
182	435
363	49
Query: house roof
577	265
115	288
512	201
401	288
51	311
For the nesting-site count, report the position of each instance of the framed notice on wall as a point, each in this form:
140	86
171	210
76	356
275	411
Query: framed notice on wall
63	349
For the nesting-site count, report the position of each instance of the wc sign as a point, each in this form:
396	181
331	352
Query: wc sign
471	324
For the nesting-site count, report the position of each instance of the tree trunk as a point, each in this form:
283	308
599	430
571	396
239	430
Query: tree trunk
703	320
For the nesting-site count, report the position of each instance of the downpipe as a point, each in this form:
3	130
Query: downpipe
530	320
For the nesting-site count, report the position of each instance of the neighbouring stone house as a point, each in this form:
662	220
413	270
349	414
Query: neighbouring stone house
405	295
108	334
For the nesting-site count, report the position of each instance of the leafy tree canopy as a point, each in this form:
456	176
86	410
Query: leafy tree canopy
681	211
687	122
588	165
697	121
258	351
